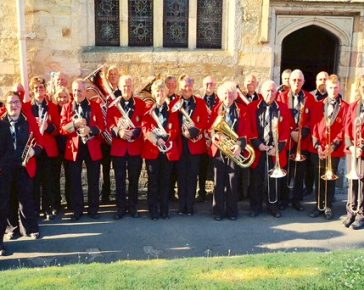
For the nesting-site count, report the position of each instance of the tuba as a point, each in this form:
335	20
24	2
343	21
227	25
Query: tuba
228	139
100	86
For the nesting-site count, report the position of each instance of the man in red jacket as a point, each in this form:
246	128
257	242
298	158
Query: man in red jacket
194	122
329	119
82	122
300	104
162	134
124	119
269	121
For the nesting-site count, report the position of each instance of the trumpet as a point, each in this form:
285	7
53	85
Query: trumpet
160	131
355	170
25	156
188	122
227	139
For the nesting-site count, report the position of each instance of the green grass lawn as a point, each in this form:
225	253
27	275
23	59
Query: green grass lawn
335	270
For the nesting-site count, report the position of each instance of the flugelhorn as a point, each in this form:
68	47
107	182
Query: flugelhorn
160	131
227	139
25	156
188	122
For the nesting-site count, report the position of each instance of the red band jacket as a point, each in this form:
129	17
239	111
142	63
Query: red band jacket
336	128
49	136
354	126
255	111
173	128
96	124
121	147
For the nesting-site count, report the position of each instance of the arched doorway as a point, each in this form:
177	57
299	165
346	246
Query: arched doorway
311	49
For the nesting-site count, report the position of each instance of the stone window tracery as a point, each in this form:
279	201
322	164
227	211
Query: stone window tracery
140	23
107	23
209	23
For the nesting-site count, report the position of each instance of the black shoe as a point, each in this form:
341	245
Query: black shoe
328	214
76	216
233	218
282	206
275	212
94	216
217	218
297	206
348	221
165	216
48	217
315	213
34	236
358	224
134	215
2	250
118	216
253	213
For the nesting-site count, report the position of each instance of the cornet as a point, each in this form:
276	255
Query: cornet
25	156
188	122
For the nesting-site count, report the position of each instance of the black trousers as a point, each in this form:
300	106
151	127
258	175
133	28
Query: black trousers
309	173
324	188
93	175
263	187
60	161
44	183
205	172
159	172
134	165
17	186
226	177
188	168
106	166
352	206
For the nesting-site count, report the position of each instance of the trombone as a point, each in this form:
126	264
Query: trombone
276	172
329	174
355	170
296	157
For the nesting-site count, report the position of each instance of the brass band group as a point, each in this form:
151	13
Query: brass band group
283	142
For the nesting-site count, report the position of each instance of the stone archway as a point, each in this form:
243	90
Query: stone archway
311	49
341	27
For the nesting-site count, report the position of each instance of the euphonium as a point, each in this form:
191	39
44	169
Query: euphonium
277	171
188	122
25	156
228	139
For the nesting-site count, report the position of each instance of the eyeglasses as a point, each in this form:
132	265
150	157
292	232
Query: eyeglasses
13	103
39	87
